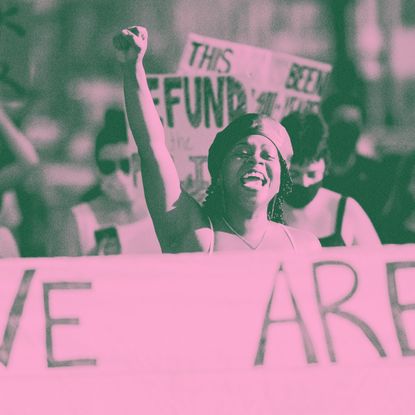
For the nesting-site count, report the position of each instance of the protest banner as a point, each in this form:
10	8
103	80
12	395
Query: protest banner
330	332
286	82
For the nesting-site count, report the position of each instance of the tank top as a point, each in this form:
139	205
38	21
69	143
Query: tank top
336	238
135	238
212	241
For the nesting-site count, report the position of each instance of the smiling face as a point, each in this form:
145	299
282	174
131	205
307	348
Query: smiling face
251	173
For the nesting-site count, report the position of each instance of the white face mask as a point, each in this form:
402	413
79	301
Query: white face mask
119	187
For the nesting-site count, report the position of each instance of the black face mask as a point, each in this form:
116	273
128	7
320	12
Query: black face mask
301	196
343	139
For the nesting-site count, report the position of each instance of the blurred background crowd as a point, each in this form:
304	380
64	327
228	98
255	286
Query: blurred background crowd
58	78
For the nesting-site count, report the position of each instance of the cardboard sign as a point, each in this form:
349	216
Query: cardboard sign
219	80
193	110
332	332
298	83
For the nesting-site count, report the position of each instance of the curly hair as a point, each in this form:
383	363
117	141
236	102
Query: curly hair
213	203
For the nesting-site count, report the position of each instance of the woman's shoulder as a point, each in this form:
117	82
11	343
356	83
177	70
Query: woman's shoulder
300	238
187	228
353	210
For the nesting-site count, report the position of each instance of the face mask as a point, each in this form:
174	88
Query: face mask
301	196
119	187
343	139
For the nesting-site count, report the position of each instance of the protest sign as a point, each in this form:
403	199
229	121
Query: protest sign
288	83
193	110
330	332
219	80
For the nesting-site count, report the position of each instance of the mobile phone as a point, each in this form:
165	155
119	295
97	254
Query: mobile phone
107	241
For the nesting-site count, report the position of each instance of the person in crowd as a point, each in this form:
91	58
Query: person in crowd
398	216
335	219
18	158
8	245
10	214
116	220
247	162
351	173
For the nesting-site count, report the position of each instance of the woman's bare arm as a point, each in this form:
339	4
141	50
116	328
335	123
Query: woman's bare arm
22	149
357	227
168	205
8	247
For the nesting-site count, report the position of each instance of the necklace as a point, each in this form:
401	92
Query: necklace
231	228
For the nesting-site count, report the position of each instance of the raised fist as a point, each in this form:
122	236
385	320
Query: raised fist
131	44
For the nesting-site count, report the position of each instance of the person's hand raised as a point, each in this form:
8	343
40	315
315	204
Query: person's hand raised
131	44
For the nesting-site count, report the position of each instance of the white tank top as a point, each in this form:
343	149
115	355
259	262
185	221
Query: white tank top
135	238
212	240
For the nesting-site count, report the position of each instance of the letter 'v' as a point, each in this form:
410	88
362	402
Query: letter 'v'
14	317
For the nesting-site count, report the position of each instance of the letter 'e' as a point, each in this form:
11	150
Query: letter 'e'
50	322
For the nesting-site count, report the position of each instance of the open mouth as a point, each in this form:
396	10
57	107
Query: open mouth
253	180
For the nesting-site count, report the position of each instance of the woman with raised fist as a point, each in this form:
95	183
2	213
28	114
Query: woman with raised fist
248	166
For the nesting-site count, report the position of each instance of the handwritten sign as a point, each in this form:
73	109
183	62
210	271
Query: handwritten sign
219	80
287	82
332	332
193	110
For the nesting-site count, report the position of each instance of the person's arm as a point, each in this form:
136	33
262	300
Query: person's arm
357	228
304	241
22	149
169	207
8	246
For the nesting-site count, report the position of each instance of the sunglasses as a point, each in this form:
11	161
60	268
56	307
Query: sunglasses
110	166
